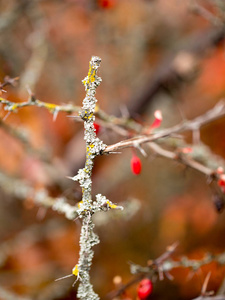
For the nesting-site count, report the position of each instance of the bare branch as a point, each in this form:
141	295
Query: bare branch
215	113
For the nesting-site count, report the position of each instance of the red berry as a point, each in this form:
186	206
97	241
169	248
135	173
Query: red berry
221	182
135	164
157	122
106	3
158	119
145	288
97	128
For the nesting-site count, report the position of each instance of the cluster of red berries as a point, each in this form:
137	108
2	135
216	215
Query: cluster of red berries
145	289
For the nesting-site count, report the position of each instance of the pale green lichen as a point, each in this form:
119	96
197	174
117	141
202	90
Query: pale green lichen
62	207
87	207
85	210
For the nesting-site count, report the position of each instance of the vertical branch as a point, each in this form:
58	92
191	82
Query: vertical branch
93	145
87	207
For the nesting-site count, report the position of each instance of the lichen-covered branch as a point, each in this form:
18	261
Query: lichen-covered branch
87	207
199	159
115	123
32	101
93	146
169	264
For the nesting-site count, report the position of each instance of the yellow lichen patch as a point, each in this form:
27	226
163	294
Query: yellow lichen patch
111	205
91	76
13	107
87	154
75	270
79	204
89	117
51	107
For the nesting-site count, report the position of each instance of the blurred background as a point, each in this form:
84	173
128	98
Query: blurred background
156	55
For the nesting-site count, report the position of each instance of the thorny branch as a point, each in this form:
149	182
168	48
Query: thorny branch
164	264
183	159
215	113
53	108
167	265
123	126
94	146
127	127
87	207
69	108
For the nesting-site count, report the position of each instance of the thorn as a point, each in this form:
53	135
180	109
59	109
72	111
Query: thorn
196	136
124	111
169	276
29	90
137	145
114	152
205	284
74	282
55	114
64	277
172	247
160	272
69	177
6	116
73	116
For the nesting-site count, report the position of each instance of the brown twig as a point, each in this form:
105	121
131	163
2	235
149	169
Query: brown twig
153	266
183	159
165	264
215	113
123	126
